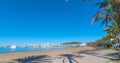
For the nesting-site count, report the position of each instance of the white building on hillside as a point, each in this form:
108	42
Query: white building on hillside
83	44
13	46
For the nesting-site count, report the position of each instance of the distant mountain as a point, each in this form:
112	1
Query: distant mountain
71	43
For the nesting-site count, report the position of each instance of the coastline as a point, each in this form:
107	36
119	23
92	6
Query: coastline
10	50
56	56
69	50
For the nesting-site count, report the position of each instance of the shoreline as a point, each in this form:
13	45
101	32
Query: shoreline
17	50
89	48
42	52
38	50
56	56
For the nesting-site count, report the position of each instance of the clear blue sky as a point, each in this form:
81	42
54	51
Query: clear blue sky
42	21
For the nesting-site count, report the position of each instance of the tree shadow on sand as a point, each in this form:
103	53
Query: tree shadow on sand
115	55
34	59
94	53
70	57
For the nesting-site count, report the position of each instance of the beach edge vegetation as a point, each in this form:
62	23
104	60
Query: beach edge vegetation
109	15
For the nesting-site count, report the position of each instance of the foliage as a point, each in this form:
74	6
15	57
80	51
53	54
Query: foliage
113	31
109	15
114	61
90	43
109	10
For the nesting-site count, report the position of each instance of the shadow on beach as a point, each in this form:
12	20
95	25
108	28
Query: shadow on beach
70	58
95	52
34	59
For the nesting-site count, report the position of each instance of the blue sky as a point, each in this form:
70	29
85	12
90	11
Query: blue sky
42	21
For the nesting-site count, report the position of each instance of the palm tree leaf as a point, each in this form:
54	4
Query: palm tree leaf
99	3
103	22
94	18
103	4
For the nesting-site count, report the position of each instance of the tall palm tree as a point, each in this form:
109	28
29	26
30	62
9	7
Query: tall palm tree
109	11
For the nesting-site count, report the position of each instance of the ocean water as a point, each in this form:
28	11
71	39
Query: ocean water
10	50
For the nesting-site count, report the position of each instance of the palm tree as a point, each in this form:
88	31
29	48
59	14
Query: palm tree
109	11
113	30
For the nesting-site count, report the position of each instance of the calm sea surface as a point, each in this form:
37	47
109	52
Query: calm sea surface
9	50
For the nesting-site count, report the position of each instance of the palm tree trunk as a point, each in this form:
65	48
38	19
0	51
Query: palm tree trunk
118	21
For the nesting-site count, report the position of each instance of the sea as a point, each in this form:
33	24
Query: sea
11	50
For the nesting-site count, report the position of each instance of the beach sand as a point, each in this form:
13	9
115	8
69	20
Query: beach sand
73	55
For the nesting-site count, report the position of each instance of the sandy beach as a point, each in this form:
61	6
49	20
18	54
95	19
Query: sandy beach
73	55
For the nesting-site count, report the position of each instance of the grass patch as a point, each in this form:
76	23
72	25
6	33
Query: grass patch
114	61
